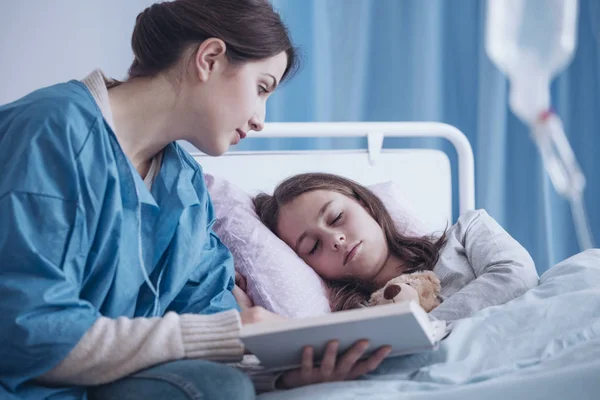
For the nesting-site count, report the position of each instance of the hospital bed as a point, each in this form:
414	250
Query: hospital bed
543	345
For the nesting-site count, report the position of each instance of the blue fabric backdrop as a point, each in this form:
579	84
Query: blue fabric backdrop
415	60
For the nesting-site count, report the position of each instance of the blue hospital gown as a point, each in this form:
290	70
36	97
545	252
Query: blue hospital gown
70	203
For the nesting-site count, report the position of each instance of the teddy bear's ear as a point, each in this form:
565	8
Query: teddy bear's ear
391	291
429	275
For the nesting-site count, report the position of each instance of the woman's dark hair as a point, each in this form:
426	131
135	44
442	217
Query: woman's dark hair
417	253
251	30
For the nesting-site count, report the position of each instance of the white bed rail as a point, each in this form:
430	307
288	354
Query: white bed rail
376	131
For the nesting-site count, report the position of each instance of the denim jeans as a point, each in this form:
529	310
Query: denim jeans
179	380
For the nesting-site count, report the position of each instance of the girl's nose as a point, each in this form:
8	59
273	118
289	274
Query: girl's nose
338	241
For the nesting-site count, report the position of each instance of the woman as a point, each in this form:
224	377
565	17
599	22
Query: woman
343	231
108	264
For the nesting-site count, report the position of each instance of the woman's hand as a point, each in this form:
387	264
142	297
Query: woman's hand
256	314
240	281
239	292
348	367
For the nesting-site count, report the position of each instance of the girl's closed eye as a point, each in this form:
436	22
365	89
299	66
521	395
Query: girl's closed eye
314	248
338	218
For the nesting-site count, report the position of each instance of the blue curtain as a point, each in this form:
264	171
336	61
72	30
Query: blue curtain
415	60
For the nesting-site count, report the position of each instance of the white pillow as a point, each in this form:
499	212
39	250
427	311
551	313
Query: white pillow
405	218
277	279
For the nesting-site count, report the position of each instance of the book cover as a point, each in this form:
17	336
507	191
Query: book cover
404	326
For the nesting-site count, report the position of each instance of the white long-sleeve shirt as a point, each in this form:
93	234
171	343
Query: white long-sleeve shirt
481	265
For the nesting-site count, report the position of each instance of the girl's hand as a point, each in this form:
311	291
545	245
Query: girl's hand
348	367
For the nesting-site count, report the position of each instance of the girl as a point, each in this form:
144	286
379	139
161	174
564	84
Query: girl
343	231
108	263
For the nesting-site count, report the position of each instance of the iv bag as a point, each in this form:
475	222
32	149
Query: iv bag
531	41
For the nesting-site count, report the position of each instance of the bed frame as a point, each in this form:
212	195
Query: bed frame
423	175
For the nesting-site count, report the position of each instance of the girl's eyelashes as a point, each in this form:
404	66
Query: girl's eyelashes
314	249
338	218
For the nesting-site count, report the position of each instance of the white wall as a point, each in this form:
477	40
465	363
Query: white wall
48	41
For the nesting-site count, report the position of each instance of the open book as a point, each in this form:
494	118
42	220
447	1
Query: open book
404	326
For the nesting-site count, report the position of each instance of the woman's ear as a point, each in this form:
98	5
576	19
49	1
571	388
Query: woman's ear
210	56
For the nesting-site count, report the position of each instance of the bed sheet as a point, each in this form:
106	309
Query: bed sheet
543	345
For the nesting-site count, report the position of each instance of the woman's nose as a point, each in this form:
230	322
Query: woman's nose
257	124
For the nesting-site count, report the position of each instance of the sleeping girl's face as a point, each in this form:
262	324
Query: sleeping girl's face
334	234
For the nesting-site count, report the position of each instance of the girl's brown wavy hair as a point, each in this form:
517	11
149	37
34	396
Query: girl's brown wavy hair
416	253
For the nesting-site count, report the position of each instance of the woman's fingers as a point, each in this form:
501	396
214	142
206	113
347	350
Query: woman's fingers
369	364
240	280
306	369
242	298
350	358
333	368
329	359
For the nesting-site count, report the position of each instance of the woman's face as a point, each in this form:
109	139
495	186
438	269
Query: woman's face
233	102
334	234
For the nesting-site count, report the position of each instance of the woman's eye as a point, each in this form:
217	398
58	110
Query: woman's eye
262	90
312	251
339	217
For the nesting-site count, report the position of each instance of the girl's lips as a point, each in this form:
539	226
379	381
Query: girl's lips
352	253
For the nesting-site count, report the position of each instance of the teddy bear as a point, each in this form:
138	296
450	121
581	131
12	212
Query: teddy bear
423	287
